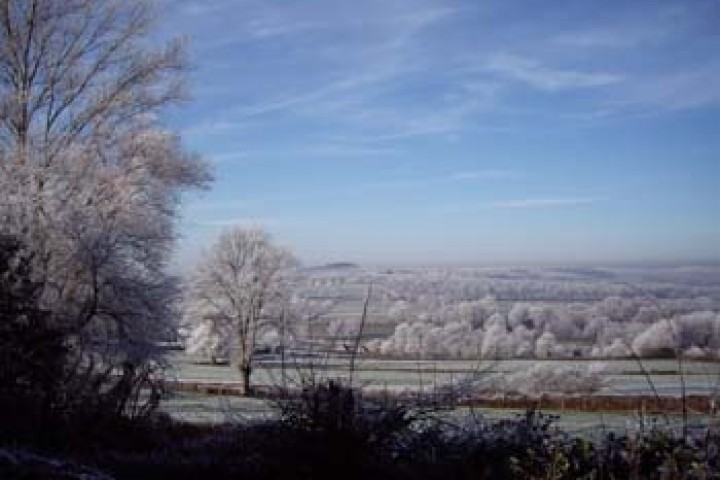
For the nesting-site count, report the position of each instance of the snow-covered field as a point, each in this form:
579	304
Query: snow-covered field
195	407
620	377
617	377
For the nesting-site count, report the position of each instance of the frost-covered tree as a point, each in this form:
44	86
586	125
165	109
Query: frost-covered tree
90	181
660	338
519	315
700	328
498	342
477	312
209	340
232	290
617	349
545	345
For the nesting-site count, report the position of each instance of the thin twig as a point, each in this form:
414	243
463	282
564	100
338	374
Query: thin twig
356	346
647	377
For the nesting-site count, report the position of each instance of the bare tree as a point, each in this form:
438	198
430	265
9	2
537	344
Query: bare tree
76	71
233	289
89	180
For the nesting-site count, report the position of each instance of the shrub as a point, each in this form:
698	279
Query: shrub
48	392
330	428
32	353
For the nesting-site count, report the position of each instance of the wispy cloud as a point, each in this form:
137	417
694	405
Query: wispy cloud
608	37
227	157
214	127
672	90
327	92
379	48
638	26
267	21
326	150
462	176
198	9
545	202
481	175
349	150
541	77
248	222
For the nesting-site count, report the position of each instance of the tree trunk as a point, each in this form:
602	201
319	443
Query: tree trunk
245	372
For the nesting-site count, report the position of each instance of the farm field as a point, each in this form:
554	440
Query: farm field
621	378
194	407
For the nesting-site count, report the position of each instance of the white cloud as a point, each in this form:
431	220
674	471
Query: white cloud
239	221
674	90
228	157
202	207
545	202
608	37
214	128
481	175
536	75
348	150
462	176
198	9
637	26
327	92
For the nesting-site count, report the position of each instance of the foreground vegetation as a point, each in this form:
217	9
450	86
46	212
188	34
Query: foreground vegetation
332	431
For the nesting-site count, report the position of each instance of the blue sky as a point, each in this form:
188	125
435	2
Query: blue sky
426	132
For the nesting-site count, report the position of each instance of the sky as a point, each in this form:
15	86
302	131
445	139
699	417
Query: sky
458	132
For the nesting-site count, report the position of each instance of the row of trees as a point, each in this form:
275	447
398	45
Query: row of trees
435	328
450	285
695	334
